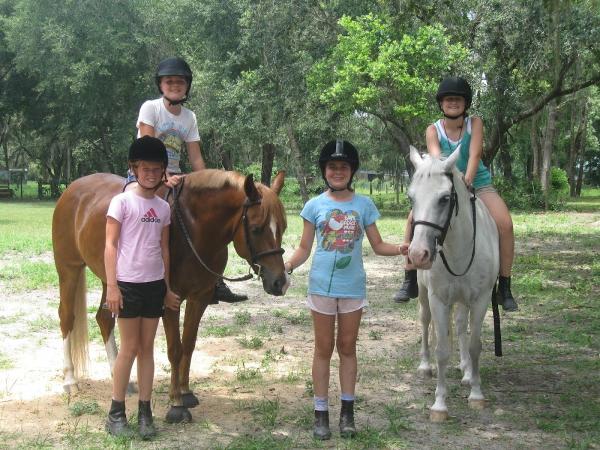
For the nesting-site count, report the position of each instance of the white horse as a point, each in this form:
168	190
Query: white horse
446	215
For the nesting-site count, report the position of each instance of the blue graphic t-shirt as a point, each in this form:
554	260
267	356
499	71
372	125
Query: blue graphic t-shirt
337	266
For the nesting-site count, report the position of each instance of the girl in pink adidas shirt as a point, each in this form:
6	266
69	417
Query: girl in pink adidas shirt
136	257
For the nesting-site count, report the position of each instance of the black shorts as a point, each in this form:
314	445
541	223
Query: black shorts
142	299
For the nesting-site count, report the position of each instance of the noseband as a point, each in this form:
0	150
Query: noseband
444	229
254	256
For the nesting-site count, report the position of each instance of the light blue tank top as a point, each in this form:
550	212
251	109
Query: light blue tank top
483	176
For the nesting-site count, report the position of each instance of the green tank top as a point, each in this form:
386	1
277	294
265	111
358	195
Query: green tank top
482	177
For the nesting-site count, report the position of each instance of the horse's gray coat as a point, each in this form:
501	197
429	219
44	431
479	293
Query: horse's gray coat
438	289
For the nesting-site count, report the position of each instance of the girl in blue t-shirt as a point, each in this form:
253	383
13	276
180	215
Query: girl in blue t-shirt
339	219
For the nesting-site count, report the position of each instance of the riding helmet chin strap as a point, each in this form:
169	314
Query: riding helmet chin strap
176	102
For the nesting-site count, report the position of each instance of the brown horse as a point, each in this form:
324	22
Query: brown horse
209	209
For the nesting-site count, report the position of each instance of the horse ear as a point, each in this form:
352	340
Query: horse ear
277	183
415	157
450	161
250	189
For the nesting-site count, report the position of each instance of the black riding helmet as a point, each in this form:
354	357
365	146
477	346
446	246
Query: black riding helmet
454	86
174	66
339	150
148	148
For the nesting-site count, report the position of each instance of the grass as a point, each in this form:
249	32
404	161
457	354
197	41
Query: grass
25	227
5	361
546	386
79	408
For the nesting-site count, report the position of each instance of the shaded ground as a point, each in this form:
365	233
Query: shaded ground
251	370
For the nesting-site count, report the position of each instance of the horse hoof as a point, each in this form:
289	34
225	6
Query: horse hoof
438	416
477	404
189	400
465	381
178	414
425	373
132	388
71	388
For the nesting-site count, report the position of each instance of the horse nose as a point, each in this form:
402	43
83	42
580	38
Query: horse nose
280	285
419	257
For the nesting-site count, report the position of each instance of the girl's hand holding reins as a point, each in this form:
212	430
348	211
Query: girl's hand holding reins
172	300
173	180
114	299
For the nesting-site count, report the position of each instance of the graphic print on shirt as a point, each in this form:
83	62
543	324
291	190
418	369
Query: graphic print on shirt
340	230
151	216
174	144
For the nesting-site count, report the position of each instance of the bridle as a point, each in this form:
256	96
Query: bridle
254	256
444	229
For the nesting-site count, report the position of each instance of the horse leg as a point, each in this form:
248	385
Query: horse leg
177	413
106	323
441	314
72	312
424	369
461	316
478	310
193	313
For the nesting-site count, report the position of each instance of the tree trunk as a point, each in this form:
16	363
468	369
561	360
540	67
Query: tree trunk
297	155
108	164
506	163
268	155
547	148
223	155
535	147
578	125
579	180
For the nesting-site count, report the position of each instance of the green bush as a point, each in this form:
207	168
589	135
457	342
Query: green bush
559	182
528	195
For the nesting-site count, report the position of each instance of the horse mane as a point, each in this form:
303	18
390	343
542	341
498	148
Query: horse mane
214	179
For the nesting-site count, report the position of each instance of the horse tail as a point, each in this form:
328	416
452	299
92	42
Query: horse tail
79	334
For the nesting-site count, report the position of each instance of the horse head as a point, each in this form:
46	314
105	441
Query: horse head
259	239
433	197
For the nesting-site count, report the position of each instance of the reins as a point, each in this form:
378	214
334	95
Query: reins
254	257
444	229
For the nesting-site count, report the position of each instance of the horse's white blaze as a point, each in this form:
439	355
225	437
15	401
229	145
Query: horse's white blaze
273	226
111	350
438	289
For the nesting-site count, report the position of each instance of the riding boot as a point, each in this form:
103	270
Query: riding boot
224	294
504	296
347	427
409	289
321	430
146	426
116	422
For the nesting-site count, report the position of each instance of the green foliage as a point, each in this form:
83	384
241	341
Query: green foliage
528	195
559	181
80	408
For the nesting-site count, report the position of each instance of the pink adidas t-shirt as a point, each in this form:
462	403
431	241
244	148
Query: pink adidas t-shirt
139	256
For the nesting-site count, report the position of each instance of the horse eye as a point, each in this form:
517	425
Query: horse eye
445	199
256	230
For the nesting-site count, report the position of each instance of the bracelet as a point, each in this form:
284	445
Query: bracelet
289	272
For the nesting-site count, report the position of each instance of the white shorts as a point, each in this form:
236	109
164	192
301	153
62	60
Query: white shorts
335	305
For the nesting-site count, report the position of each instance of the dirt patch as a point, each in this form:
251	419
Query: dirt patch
259	394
